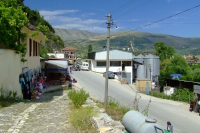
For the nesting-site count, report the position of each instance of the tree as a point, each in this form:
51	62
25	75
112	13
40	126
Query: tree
12	19
90	48
11	22
178	65
164	52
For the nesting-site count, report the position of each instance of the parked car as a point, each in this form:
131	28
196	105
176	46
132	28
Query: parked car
111	74
76	67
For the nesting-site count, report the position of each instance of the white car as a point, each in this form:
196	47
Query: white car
85	66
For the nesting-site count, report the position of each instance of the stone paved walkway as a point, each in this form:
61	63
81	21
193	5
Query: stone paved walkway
47	115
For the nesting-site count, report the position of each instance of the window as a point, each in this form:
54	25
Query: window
30	47
127	63
101	63
38	49
115	63
33	48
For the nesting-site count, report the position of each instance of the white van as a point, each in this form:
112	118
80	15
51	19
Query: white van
85	66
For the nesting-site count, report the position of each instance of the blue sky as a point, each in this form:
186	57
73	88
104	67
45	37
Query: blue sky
90	15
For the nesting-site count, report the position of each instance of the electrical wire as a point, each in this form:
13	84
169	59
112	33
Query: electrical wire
129	3
134	8
124	6
118	9
167	17
162	19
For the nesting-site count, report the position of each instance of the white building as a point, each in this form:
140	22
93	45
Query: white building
12	66
117	58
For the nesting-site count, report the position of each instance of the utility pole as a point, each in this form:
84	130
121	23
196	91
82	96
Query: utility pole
107	60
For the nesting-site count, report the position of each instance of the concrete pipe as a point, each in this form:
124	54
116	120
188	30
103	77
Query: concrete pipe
135	122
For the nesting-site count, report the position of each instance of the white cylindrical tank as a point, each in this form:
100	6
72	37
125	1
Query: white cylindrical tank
141	71
135	122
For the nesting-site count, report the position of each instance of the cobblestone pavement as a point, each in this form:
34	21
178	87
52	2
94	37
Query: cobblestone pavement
47	115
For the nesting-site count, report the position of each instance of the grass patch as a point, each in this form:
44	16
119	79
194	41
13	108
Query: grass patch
113	109
8	98
81	119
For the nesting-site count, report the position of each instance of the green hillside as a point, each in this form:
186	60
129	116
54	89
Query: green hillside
143	42
74	34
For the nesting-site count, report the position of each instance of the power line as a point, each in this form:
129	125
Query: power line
124	6
134	8
166	22
162	19
116	10
128	3
167	17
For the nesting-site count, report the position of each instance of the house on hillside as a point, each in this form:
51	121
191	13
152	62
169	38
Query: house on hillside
120	62
70	53
12	67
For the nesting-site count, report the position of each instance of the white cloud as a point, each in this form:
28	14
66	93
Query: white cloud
63	19
87	14
56	12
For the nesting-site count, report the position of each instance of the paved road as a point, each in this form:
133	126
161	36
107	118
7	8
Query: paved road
162	110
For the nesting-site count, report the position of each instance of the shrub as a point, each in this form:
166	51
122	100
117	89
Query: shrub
78	97
184	95
81	118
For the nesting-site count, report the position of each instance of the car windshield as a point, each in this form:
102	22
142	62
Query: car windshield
110	72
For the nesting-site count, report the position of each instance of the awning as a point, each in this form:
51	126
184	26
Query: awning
56	66
59	63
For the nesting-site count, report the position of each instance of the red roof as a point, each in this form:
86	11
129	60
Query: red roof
69	48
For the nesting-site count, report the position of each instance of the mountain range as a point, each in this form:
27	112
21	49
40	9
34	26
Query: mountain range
142	41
